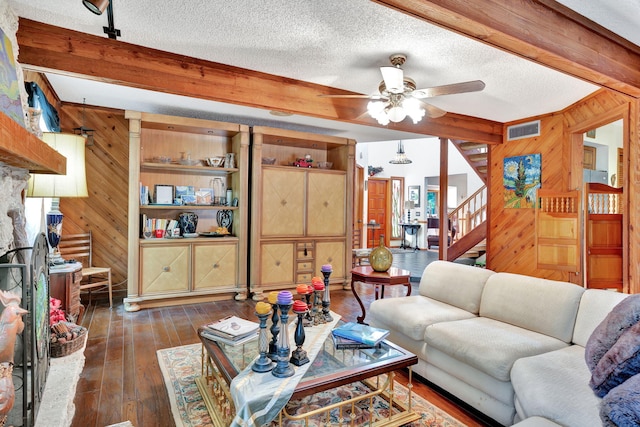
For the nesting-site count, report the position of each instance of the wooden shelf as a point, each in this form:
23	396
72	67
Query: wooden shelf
189	207
22	149
169	167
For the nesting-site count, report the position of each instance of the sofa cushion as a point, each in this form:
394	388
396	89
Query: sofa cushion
595	304
411	315
455	284
488	345
554	385
545	306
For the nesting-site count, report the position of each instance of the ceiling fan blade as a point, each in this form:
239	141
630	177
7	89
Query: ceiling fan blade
464	87
375	96
432	111
393	79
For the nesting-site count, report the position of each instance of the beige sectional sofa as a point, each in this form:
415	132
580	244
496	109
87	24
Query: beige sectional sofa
510	346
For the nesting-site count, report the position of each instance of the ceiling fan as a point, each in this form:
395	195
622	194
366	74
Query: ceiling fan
399	98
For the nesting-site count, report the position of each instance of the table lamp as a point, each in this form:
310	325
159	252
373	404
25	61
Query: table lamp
73	184
408	205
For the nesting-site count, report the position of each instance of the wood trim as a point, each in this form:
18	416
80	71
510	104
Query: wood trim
542	31
54	49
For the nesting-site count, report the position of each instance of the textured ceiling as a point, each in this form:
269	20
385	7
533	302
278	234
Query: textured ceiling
331	42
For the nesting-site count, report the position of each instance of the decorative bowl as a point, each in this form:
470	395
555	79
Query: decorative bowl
268	160
325	165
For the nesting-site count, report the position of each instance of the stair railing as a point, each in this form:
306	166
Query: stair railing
470	213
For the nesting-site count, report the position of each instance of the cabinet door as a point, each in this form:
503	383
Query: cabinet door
282	202
326	204
331	253
215	266
164	269
276	263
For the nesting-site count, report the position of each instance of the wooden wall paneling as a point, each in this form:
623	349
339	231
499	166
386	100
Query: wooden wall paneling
510	232
105	210
510	235
631	239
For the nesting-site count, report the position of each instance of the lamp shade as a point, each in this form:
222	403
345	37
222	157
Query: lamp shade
74	183
96	6
409	204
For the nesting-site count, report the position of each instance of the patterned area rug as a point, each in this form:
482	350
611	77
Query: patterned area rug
181	365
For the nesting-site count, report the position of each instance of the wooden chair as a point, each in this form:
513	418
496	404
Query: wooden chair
359	253
80	248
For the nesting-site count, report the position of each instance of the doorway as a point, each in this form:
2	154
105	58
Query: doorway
604	217
377	208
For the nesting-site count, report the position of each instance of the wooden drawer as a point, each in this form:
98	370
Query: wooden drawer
304	251
304	278
305	266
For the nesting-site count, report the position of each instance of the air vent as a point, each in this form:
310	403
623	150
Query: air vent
523	130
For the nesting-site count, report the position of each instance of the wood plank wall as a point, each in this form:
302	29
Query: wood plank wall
104	212
511	231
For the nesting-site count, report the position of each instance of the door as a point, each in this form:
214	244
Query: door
377	202
558	230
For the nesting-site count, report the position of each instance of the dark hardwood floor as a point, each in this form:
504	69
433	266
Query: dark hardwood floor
121	379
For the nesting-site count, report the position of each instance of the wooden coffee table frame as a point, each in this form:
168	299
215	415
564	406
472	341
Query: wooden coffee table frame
391	277
218	372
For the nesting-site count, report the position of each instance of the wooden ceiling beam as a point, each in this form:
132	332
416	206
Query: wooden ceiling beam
542	31
53	49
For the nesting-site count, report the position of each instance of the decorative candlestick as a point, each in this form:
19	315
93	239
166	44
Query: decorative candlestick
275	328
263	363
318	318
326	271
308	316
303	290
283	368
299	356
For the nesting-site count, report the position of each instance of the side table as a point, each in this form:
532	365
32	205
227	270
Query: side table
64	284
366	274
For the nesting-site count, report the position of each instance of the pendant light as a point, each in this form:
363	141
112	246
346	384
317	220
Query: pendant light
401	157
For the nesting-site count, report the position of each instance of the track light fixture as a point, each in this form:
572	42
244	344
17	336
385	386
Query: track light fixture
98	7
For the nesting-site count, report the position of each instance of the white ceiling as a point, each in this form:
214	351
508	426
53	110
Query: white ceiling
330	42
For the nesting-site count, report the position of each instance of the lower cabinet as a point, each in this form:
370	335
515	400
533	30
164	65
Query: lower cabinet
215	267
188	268
283	264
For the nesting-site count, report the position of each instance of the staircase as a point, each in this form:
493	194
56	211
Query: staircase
470	217
476	155
470	221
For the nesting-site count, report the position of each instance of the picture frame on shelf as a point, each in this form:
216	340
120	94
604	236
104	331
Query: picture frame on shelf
164	194
414	195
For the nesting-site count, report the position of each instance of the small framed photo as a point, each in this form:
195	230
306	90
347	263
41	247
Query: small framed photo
164	194
414	195
189	199
204	196
182	190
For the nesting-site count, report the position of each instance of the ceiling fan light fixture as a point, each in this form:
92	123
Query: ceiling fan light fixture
396	114
96	6
376	109
413	109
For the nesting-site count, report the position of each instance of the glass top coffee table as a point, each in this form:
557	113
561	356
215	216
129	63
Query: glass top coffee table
373	370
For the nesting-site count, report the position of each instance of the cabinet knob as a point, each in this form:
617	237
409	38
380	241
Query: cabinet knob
330	259
166	268
277	263
283	202
216	265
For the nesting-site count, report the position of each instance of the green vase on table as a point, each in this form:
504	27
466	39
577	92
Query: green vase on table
381	258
